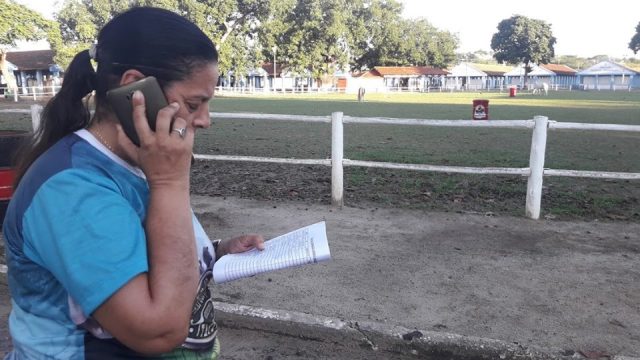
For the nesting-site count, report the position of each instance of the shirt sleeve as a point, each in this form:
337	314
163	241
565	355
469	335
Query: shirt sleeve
86	233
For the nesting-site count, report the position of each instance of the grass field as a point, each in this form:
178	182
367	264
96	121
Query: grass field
616	151
562	198
576	106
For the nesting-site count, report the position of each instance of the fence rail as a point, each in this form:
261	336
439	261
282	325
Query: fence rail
32	92
45	91
535	172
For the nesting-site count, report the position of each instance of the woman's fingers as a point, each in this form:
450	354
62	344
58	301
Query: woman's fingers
163	120
165	117
247	242
140	121
257	241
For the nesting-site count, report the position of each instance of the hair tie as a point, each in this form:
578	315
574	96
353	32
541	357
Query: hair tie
93	51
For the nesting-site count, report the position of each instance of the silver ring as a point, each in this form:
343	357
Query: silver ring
180	131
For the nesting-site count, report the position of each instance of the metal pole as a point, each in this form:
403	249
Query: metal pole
536	165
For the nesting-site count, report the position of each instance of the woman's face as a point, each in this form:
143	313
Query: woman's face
193	94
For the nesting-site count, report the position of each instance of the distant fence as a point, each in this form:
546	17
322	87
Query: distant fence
535	172
43	92
30	92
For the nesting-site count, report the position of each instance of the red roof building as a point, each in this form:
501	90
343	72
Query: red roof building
409	71
403	78
35	68
560	69
31	60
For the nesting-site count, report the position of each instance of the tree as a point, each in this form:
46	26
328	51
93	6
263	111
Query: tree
229	23
478	56
78	29
312	36
523	40
438	48
575	62
375	26
316	36
18	23
323	36
634	44
385	38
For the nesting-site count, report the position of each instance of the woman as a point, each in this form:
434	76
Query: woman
106	260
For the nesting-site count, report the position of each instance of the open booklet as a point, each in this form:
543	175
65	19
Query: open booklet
306	245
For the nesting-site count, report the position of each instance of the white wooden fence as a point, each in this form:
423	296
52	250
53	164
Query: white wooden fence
31	92
535	172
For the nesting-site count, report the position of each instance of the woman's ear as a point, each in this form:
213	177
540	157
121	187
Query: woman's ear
130	76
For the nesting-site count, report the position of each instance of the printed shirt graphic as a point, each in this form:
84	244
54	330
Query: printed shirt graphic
202	327
73	236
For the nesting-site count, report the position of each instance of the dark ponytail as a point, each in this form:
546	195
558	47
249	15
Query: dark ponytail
64	113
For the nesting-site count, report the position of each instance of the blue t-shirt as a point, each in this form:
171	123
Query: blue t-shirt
74	235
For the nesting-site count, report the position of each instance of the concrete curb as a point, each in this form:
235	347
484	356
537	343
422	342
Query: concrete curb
382	338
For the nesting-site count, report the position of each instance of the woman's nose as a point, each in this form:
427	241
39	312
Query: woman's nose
202	120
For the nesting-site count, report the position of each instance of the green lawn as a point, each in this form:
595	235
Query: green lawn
575	106
579	150
563	197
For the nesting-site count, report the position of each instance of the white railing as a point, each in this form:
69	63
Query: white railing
31	92
535	172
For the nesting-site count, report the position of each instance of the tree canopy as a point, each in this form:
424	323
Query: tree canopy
19	23
634	44
523	40
384	38
311	36
227	22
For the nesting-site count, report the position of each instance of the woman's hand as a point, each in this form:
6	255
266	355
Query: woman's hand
240	244
164	155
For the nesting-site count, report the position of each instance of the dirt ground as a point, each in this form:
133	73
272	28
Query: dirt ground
465	260
573	286
465	194
566	285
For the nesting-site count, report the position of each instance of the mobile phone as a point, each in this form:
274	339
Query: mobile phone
121	101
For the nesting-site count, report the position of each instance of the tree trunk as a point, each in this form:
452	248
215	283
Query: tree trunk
527	70
9	79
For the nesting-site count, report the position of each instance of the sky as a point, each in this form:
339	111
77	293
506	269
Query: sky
582	28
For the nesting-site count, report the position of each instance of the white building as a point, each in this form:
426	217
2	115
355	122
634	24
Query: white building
469	76
608	75
556	75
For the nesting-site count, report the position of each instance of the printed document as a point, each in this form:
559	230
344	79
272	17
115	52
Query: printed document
307	245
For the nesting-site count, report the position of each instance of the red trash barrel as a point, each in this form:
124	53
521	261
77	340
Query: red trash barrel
6	183
10	140
480	110
6	190
512	91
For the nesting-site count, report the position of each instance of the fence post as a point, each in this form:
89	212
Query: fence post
536	166
36	110
337	152
15	94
